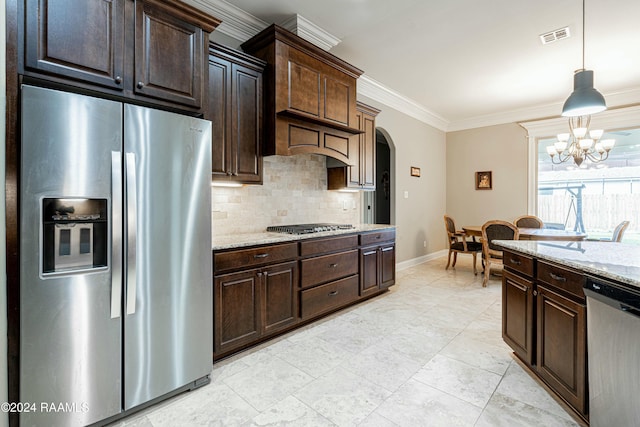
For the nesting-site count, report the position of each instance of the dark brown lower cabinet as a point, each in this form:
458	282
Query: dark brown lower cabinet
279	296
264	290
544	318
517	315
561	354
251	304
236	310
377	268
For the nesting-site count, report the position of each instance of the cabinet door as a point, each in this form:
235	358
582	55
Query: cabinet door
246	124
368	152
517	315
77	39
168	56
561	346
236	310
355	154
220	115
369	271
387	265
279	296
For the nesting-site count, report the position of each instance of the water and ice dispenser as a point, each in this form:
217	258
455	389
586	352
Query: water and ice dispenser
74	234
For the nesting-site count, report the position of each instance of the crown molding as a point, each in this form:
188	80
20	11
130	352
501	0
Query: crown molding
615	118
377	91
310	32
236	22
614	100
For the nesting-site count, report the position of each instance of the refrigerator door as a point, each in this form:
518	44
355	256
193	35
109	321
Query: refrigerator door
70	344
168	296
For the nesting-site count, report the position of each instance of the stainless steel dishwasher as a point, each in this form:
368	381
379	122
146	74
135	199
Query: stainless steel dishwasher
613	342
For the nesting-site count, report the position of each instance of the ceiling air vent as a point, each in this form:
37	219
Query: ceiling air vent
555	35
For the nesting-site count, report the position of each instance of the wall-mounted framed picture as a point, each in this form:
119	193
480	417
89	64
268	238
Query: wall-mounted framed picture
415	171
483	180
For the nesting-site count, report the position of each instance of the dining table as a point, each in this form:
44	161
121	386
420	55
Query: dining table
534	233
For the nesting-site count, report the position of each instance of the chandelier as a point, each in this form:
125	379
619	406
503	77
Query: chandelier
580	144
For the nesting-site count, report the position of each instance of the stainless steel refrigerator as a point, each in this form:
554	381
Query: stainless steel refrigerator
115	247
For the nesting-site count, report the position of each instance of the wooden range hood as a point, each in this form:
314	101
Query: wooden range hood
309	95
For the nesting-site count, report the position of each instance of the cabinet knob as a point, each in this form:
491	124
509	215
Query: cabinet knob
140	85
535	293
118	80
334	265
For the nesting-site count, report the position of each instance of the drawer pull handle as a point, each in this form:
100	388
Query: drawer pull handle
334	265
333	293
515	261
558	278
378	236
260	256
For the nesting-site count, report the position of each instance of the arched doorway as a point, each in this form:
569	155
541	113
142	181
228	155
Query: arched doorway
379	205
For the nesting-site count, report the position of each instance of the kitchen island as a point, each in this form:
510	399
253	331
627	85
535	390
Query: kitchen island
544	308
269	283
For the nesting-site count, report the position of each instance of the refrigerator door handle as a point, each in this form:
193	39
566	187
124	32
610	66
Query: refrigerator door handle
132	217
116	232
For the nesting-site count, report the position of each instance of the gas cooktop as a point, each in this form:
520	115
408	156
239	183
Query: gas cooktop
308	228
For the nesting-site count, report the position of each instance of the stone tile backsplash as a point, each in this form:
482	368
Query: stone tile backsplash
294	191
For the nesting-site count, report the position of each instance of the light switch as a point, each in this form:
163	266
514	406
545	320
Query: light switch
406	194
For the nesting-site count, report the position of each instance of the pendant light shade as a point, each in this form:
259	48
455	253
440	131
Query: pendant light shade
585	99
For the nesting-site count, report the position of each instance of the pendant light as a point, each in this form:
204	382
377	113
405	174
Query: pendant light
585	99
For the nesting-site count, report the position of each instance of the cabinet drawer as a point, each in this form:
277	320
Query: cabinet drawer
314	247
328	297
251	257
561	278
378	236
518	262
325	268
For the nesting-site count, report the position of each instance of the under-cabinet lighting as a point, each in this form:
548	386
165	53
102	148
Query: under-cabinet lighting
226	184
348	190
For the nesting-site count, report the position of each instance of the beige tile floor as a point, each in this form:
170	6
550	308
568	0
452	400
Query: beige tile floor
427	353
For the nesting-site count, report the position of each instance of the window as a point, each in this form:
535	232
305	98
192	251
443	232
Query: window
594	197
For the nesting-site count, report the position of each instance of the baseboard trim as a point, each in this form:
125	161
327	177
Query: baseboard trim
420	260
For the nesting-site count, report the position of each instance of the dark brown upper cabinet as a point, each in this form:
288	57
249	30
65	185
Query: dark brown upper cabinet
361	171
235	110
148	50
310	96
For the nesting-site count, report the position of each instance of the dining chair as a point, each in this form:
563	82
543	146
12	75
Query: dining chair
618	232
492	253
458	243
528	221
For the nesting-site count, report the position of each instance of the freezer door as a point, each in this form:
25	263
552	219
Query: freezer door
70	345
168	296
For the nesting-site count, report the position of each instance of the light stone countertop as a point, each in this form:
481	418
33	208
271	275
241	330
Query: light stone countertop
240	240
615	261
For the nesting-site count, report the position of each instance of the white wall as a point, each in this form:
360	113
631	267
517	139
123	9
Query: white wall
418	217
500	149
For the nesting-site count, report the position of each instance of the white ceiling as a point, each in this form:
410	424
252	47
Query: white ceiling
472	63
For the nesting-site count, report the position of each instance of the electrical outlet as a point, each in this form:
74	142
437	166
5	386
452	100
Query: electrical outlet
406	194
424	243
